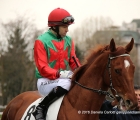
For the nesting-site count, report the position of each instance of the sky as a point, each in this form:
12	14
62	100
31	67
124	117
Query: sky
118	10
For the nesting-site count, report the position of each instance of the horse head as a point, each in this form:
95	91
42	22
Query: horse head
108	67
121	74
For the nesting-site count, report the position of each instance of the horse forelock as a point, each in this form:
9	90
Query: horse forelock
119	51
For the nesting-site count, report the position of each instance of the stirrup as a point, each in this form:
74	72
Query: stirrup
39	113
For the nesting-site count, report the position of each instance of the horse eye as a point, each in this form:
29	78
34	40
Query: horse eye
118	71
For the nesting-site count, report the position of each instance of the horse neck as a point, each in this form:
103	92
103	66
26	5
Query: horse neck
84	99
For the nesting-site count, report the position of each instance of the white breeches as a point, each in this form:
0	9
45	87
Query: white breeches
46	85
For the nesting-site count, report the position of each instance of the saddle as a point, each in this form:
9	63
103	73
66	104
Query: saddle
52	111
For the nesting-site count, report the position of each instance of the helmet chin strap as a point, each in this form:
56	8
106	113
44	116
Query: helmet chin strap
56	29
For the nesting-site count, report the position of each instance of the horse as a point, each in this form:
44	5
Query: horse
107	67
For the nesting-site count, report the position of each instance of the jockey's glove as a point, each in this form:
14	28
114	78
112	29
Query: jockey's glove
66	74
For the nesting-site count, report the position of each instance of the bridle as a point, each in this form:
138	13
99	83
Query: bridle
100	91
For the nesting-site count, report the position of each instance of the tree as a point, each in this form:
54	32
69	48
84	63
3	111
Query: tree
83	35
17	68
79	53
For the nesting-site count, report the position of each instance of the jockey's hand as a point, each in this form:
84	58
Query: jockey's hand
66	74
70	74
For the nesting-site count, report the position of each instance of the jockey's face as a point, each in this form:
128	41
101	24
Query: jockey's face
63	30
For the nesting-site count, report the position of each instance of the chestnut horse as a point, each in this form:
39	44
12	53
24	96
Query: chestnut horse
107	67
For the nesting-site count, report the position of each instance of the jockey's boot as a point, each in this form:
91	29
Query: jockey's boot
42	108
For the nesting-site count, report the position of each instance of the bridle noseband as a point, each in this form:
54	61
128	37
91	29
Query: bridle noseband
111	85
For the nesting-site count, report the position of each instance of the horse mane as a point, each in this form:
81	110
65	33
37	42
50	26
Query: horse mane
93	54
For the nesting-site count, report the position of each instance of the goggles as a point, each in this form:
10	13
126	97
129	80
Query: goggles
68	20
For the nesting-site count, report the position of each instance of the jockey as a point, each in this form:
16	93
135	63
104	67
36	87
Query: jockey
53	52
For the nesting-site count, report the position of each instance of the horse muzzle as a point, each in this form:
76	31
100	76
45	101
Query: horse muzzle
126	104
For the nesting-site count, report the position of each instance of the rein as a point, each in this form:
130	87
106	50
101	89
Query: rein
95	90
111	85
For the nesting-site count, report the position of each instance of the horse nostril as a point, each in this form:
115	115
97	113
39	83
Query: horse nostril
128	102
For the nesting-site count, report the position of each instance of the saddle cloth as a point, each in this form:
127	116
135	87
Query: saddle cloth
51	114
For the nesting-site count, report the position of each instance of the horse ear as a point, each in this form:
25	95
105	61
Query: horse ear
112	45
129	46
